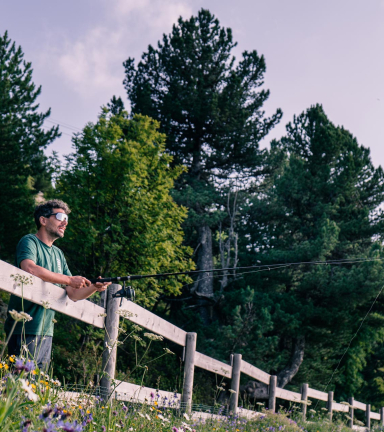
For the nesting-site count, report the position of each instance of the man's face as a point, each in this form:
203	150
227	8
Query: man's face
54	227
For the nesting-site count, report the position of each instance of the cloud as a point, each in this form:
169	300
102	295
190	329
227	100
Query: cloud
92	63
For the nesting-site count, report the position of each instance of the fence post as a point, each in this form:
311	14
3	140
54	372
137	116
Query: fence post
110	341
189	371
351	412
272	393
368	416
304	397
381	416
329	405
235	383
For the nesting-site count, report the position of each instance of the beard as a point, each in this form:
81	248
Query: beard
54	234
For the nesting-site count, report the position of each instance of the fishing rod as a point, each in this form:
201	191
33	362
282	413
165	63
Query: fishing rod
129	292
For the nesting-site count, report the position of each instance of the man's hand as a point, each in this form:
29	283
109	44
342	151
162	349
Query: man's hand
79	282
99	286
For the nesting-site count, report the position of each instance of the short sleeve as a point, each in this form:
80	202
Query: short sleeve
65	268
26	249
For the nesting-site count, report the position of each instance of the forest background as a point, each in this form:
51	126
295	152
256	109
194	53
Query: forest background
179	182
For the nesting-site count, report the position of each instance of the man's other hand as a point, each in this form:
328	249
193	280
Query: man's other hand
79	282
101	286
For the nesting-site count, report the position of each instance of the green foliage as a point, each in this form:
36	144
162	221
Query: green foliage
323	203
211	112
124	221
25	170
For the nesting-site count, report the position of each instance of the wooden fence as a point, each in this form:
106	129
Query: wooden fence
93	314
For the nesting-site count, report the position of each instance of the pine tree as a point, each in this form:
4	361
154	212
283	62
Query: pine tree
211	112
323	204
24	167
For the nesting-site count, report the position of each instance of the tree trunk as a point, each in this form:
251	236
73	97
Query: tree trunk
204	283
257	390
285	376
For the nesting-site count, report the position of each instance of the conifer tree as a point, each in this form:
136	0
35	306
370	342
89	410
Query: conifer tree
323	204
24	167
210	109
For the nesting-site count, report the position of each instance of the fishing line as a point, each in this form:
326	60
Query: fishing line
353	337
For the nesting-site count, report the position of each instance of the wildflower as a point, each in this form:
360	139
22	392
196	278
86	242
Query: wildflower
232	391
174	429
148	418
141	415
54	321
69	427
168	351
15	315
28	366
312	411
25	316
102	315
136	327
124	313
186	416
45	304
103	428
12	359
152	395
153	337
125	409
31	395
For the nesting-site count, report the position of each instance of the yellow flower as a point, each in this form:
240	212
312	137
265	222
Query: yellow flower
12	359
80	407
155	403
102	407
1	365
6	366
33	386
34	372
88	412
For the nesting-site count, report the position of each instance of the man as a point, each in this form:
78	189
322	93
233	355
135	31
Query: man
37	255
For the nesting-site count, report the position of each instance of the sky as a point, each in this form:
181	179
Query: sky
328	52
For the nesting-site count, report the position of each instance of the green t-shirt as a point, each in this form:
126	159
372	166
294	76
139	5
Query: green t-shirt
51	258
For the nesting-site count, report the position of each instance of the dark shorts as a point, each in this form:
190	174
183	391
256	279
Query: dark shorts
39	349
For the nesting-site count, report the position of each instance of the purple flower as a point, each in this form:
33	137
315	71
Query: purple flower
20	366
69	427
103	428
49	427
152	395
174	429
125	408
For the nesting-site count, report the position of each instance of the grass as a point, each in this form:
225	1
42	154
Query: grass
32	401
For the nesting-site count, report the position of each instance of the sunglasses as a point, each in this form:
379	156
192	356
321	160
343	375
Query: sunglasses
59	216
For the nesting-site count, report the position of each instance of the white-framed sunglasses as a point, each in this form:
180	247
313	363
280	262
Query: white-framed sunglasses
59	216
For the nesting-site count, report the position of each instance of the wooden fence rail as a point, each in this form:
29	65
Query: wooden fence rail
90	313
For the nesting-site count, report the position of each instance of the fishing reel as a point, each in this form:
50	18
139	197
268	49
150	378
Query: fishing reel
125	292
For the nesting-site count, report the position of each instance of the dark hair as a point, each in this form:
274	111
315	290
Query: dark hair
45	209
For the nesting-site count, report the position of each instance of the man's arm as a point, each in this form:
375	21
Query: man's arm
77	287
76	282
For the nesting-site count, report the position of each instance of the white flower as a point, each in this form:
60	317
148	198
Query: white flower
141	415
185	415
153	336
146	415
25	316
168	351
124	313
45	304
31	395
102	315
232	391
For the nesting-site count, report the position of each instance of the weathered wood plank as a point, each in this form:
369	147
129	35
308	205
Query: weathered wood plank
340	407
316	394
288	395
359	405
154	323
40	291
210	364
242	412
375	416
254	372
135	393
